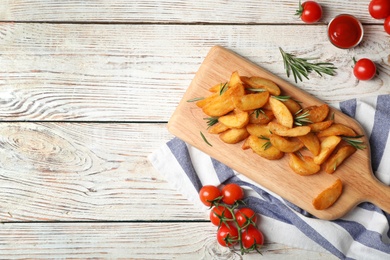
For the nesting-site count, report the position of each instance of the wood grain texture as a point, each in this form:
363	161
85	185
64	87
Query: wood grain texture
174	11
114	72
68	171
356	174
127	241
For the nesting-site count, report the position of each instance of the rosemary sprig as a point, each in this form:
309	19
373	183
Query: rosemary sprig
282	98
204	138
267	144
195	99
302	67
259	111
211	121
223	88
301	119
358	144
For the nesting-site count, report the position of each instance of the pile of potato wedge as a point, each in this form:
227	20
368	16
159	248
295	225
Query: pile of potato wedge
252	110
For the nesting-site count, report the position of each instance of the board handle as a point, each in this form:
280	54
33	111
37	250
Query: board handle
379	194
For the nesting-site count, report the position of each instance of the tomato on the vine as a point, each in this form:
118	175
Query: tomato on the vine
387	24
218	214
231	193
245	216
309	11
227	235
208	194
379	9
252	237
364	69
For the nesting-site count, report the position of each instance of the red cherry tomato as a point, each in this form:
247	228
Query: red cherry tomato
245	216
227	235
219	213
379	9
387	25
231	193
364	69
208	194
309	11
252	237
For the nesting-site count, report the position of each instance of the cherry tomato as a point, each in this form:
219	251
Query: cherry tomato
231	193
379	9
227	235
309	11
244	216
219	213
252	237
208	194
364	69
387	25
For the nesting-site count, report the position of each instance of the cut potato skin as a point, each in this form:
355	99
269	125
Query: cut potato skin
338	158
328	196
281	112
258	146
303	166
327	147
284	144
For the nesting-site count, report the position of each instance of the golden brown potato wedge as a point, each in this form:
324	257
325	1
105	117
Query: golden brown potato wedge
303	165
338	158
292	105
259	82
251	101
320	126
311	142
327	147
217	88
329	196
281	112
337	129
217	128
259	146
234	135
318	113
236	119
258	130
285	145
281	130
223	104
261	117
201	103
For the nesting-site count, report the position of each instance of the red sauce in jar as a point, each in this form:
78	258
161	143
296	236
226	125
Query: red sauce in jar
345	31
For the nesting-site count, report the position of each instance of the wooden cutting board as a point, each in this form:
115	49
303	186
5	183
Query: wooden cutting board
187	122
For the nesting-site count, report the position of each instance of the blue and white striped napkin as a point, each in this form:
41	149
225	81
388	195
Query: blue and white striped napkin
361	234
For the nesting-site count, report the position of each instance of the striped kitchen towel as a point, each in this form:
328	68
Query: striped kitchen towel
361	234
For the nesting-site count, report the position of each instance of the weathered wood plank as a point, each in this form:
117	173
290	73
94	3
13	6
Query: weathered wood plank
173	11
72	172
127	240
140	72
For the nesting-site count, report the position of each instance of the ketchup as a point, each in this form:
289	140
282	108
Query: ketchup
345	31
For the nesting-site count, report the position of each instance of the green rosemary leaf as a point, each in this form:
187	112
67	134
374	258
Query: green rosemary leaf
211	121
282	98
302	67
223	88
352	140
195	99
204	138
259	111
267	144
302	119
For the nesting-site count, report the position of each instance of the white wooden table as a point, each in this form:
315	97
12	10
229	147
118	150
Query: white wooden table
86	89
